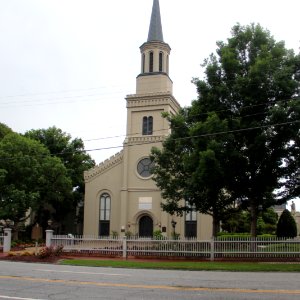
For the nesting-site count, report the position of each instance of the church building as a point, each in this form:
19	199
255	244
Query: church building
120	195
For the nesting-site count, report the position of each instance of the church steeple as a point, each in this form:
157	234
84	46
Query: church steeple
154	76
155	29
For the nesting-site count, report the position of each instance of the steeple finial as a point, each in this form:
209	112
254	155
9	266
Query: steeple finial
155	29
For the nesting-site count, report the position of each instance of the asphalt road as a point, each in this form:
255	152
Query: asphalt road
26	281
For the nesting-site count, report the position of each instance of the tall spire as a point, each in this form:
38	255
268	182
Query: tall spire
155	29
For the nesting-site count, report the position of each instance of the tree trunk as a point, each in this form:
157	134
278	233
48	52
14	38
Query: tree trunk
253	214
15	232
216	226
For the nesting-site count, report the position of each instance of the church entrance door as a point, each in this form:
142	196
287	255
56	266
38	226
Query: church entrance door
146	226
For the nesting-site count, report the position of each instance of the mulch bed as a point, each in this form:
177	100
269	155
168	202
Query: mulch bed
31	258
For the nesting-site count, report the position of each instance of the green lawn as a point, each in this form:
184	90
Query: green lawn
188	265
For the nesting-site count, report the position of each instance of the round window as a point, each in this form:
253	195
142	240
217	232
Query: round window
144	167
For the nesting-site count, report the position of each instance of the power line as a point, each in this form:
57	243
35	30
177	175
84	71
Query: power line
204	113
41	102
58	92
70	97
196	115
181	138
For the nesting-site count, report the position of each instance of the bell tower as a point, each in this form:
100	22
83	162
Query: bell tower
154	88
146	128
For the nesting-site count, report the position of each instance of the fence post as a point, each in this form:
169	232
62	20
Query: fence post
7	240
124	247
212	249
49	235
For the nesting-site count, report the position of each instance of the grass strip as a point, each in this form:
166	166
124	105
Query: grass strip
186	265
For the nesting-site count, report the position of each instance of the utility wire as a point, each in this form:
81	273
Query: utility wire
196	115
181	138
114	86
58	92
39	102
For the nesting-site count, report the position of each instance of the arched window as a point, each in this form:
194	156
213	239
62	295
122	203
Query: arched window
161	61
151	61
104	215
143	63
147	125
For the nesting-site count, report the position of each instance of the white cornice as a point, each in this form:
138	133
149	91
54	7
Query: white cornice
150	95
138	189
145	139
153	99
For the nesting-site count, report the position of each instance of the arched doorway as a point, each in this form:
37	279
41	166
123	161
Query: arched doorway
146	226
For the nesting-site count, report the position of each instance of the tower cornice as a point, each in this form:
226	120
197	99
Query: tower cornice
155	45
152	99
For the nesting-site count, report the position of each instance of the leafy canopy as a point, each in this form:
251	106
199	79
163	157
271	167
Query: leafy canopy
29	176
73	156
238	143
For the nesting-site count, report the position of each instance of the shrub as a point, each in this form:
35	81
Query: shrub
232	236
14	244
175	236
128	234
45	252
57	251
157	235
115	234
50	251
286	226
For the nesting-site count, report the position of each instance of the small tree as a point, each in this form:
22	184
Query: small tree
29	178
286	226
75	159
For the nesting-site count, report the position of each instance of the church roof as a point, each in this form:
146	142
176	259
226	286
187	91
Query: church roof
155	29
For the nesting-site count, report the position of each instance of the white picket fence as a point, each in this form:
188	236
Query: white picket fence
243	248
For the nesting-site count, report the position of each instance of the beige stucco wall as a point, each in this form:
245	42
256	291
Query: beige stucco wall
122	182
108	181
155	84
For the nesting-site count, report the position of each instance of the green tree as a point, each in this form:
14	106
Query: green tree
251	89
4	130
237	220
286	226
255	82
72	154
270	218
191	167
29	177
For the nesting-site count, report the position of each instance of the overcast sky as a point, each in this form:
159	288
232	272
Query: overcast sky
70	63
